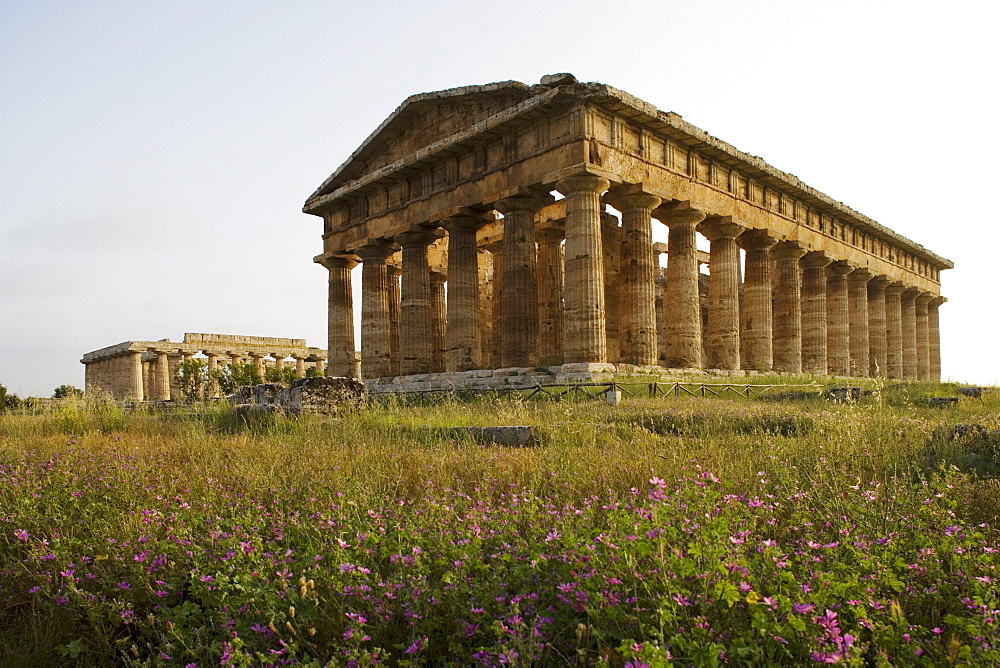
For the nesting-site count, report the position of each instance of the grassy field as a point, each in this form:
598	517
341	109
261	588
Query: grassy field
667	531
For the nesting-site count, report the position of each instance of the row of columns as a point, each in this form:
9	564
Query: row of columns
586	293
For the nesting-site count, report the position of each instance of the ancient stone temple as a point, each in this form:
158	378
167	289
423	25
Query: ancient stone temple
515	188
147	370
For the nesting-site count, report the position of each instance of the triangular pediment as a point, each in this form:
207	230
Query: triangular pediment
422	120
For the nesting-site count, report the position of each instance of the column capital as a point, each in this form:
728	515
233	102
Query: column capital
937	301
550	234
860	275
895	288
465	221
337	260
839	268
910	292
924	298
582	182
815	260
880	282
393	270
720	227
756	239
522	199
438	277
788	250
418	236
678	213
376	249
631	196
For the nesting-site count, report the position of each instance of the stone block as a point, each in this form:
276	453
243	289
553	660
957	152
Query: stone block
518	437
974	392
325	395
265	393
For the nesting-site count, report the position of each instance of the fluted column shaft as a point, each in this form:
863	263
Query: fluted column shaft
439	322
462	338
909	315
300	366
934	337
340	320
814	351
496	342
838	320
894	330
583	316
611	247
135	374
787	307
416	336
639	267
376	346
519	296
756	311
550	295
857	298
723	335
393	274
682	302
147	382
923	336
878	350
162	376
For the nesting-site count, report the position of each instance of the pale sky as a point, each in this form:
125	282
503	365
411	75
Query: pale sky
154	156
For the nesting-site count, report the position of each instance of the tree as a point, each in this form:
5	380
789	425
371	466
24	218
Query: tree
66	392
8	400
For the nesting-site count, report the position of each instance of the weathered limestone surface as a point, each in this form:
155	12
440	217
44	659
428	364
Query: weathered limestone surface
505	147
324	395
894	330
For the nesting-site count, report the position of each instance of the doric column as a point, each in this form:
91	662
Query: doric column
583	293
212	391
462	339
611	249
857	299
259	364
681	303
439	321
147	382
300	366
340	316
909	315
550	295
519	296
878	364
416	336
787	307
755	313
279	362
496	335
376	329
838	319
236	359
162	376
894	330
814	354
486	297
135	375
393	272
934	337
920	305
639	269
660	248
723	334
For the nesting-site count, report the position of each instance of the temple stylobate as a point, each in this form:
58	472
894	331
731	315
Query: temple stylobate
484	217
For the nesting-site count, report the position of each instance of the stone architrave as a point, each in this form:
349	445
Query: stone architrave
894	330
439	322
340	322
787	307
376	322
682	304
611	246
550	295
519	295
416	340
639	269
908	313
934	337
923	335
755	312
814	352
723	331
394	271
878	349
462	338
583	316
857	298
838	319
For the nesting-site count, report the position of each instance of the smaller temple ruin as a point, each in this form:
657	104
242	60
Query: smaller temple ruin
148	370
